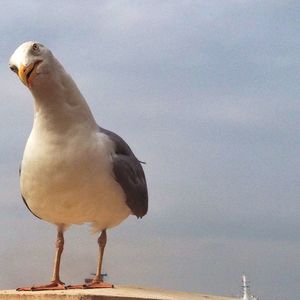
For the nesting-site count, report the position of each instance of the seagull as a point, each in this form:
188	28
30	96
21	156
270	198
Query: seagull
73	171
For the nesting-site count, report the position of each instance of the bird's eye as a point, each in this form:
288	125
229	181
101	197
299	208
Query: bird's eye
14	68
35	47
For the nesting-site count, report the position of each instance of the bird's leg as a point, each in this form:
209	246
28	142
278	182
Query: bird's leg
59	249
102	243
98	280
56	283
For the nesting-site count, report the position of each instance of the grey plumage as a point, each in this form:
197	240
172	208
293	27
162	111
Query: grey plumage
129	174
24	200
73	171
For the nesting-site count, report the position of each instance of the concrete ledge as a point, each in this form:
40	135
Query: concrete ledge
117	293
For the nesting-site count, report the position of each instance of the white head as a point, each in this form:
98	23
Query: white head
53	89
34	64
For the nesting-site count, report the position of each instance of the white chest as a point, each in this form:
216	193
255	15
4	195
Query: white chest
68	179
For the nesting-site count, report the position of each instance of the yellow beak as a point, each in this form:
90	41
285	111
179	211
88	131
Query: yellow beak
28	73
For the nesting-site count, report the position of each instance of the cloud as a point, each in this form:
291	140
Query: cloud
207	94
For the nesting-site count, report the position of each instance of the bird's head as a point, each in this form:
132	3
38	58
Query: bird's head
32	62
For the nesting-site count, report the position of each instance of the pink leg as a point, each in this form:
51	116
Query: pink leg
98	280
56	283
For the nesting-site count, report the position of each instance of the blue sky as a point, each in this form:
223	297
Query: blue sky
207	93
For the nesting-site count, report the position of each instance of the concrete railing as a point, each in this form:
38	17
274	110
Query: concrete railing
117	293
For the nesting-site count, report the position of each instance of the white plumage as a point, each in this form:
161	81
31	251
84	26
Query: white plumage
73	171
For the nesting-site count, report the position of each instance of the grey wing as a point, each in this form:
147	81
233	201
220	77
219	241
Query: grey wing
24	200
129	174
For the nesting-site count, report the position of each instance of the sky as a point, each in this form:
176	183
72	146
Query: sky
207	93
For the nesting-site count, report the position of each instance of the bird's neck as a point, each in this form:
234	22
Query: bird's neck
61	107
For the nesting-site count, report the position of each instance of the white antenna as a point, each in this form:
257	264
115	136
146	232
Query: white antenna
246	290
